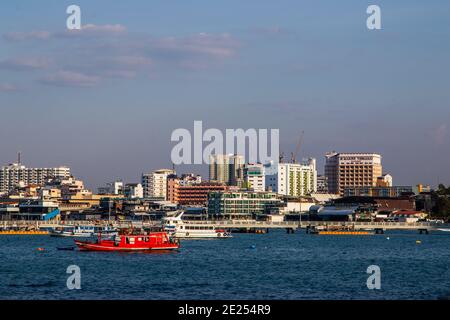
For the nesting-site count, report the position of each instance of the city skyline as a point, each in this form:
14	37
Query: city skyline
105	102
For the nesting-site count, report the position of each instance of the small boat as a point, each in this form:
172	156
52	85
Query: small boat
65	248
180	228
71	231
131	242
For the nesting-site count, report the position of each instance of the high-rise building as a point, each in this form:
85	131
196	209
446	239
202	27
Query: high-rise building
17	175
352	170
155	183
254	177
292	179
226	168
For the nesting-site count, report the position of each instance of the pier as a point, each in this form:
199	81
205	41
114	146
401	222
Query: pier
289	226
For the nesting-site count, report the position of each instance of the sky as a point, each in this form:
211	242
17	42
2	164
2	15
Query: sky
105	100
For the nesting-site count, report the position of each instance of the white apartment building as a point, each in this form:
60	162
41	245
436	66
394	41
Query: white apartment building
155	183
292	179
17	175
254	177
226	168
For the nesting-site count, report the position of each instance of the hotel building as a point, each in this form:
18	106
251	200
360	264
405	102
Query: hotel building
352	170
17	175
191	195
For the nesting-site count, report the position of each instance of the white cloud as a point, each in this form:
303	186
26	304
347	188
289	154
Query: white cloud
98	52
70	79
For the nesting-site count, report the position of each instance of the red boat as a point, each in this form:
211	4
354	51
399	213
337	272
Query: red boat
141	242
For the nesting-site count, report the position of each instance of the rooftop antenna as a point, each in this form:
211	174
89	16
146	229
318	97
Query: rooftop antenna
18	158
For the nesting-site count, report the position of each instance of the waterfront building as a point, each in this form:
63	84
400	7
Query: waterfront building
16	175
155	183
226	168
386	204
352	170
392	191
254	177
191	195
292	179
134	190
295	205
243	204
69	187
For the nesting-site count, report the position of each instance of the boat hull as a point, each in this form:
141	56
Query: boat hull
93	247
86	246
72	235
188	235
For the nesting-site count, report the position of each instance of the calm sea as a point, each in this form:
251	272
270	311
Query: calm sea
248	266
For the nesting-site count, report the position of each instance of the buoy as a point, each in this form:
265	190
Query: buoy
40	249
387	238
418	242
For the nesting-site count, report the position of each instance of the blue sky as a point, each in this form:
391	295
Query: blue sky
105	102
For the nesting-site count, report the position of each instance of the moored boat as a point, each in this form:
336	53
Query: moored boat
131	242
70	231
81	231
180	228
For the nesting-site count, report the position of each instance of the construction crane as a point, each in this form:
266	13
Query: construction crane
297	148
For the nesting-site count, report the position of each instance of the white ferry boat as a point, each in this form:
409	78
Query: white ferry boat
179	228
